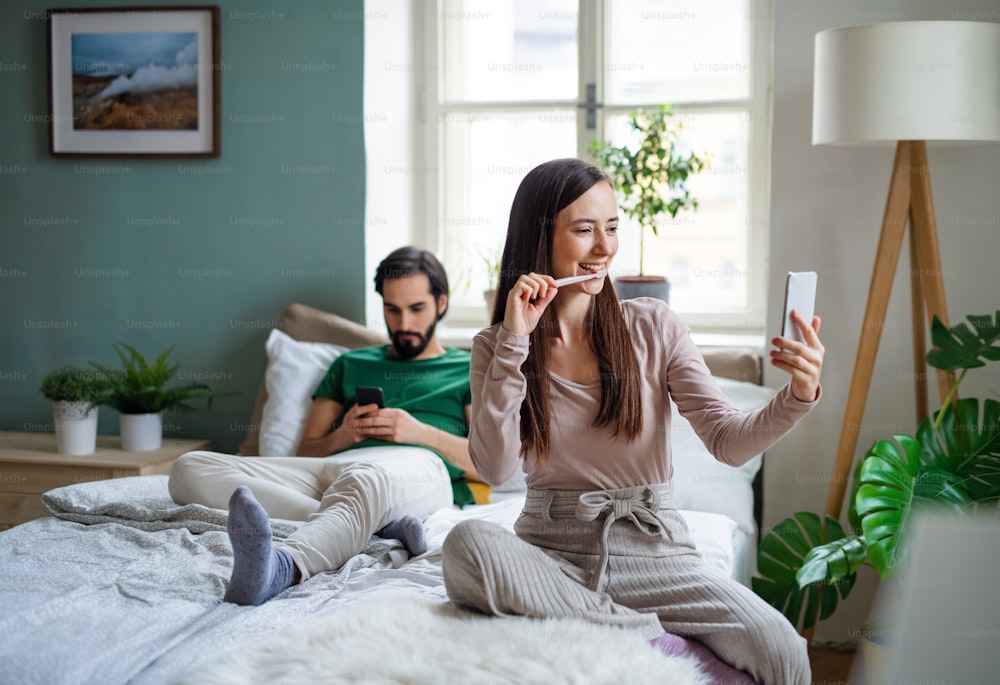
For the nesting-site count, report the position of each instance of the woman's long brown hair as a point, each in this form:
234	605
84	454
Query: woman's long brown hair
544	192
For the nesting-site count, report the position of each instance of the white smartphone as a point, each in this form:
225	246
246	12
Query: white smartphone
800	295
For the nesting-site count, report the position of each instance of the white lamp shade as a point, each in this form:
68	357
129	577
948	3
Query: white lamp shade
909	80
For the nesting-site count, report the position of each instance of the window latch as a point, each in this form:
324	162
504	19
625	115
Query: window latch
591	106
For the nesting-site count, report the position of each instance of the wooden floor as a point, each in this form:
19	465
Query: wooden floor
830	666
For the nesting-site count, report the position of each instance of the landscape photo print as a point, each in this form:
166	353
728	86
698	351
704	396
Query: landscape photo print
134	81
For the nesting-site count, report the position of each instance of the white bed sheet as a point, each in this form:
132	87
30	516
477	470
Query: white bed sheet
127	593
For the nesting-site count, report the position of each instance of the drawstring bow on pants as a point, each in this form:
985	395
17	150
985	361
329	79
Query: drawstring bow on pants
640	508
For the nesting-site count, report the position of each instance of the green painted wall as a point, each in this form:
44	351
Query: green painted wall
203	254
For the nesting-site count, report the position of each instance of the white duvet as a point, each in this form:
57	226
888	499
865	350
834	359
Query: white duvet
124	586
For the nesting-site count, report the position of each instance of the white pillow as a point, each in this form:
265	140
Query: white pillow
703	484
294	369
712	534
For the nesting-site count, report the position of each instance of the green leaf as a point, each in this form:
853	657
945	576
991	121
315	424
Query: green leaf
139	387
965	450
853	519
960	347
885	497
833	561
74	384
803	593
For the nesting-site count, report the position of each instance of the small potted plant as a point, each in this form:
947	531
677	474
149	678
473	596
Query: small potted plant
74	393
492	263
138	391
651	181
807	563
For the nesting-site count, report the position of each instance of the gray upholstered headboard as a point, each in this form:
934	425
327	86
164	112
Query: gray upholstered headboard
738	363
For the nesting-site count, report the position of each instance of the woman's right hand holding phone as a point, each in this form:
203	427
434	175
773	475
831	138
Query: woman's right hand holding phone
529	297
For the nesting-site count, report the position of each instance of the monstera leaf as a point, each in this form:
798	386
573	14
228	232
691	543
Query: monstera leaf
892	480
799	543
853	519
960	347
966	446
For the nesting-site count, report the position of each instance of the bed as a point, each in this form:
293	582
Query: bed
122	585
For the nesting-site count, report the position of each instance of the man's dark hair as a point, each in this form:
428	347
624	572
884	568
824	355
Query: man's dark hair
409	261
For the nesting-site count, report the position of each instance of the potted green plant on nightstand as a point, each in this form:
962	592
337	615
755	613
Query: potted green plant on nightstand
74	393
651	181
138	391
807	563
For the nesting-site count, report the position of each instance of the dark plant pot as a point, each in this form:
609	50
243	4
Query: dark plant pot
629	287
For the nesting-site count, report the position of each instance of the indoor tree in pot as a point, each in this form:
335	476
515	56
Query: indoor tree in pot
138	391
75	393
808	563
651	181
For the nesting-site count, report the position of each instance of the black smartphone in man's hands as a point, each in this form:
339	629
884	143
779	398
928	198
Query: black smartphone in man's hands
369	394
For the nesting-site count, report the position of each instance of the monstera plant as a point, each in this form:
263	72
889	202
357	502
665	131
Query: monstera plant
807	564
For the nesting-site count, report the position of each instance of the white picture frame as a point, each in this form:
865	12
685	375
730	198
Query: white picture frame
134	81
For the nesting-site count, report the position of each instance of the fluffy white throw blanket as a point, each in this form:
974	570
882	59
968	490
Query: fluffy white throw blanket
399	636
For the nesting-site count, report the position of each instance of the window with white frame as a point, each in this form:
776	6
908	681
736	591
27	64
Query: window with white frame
505	85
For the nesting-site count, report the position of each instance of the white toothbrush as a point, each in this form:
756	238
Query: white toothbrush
579	279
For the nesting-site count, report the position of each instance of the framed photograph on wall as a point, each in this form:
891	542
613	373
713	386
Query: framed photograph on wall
134	81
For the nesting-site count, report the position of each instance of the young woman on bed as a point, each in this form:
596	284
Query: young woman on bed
577	383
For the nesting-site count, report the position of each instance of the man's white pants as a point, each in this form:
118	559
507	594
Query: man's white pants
343	498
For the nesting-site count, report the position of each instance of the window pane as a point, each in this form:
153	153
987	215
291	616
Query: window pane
512	50
485	157
704	253
677	51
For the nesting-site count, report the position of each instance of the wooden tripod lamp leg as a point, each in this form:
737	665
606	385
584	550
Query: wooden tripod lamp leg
927	258
919	331
890	241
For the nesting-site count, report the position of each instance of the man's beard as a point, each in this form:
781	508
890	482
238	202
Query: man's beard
408	349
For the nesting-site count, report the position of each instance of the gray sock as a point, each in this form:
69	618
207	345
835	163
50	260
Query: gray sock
260	571
408	530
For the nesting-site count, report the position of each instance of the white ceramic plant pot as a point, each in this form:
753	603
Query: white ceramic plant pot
141	432
490	296
76	428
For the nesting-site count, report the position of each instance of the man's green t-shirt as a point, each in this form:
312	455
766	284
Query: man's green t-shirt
434	391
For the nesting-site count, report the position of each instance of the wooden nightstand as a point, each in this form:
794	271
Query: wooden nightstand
30	465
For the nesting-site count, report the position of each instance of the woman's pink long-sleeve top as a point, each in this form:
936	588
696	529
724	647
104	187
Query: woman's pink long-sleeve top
583	457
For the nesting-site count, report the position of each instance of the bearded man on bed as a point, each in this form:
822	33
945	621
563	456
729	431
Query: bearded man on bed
358	469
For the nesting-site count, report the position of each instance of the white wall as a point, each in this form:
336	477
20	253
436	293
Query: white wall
826	210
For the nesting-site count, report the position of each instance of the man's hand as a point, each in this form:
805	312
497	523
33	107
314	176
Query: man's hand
391	425
319	438
322	435
356	422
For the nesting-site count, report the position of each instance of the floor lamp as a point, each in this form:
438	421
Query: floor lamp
904	83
